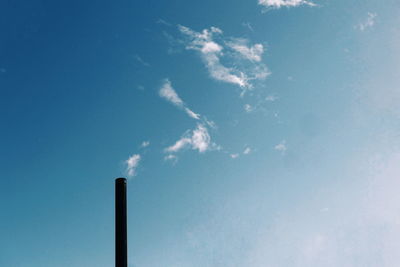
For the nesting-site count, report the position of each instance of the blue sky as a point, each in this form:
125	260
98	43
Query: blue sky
253	133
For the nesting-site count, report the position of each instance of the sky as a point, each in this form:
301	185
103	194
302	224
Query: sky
254	133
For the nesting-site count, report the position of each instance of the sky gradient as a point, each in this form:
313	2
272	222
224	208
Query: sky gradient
252	133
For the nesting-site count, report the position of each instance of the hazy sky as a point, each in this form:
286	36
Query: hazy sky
262	133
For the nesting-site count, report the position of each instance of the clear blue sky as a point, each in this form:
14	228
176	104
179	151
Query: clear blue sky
253	133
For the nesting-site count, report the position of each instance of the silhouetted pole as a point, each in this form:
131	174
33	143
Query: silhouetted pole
121	244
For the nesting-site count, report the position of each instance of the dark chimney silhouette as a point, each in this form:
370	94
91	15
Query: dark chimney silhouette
121	242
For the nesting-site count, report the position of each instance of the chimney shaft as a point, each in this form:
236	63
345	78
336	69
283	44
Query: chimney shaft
121	251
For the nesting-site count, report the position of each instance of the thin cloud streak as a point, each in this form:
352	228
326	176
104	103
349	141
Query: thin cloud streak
253	53
276	4
168	92
212	46
368	23
141	61
131	165
281	147
247	151
145	144
210	52
198	139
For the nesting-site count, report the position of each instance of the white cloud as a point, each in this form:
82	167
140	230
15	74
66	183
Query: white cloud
259	105
248	26
252	53
192	114
281	146
201	139
271	98
145	144
131	164
234	156
172	158
161	21
248	108
276	4
198	139
212	47
222	73
141	61
168	92
210	123
368	23
247	151
179	145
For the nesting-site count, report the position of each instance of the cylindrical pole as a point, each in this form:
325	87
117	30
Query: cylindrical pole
121	251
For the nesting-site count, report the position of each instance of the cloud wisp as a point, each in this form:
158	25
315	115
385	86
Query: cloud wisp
368	23
277	4
131	165
141	61
245	60
145	144
247	151
234	156
198	139
250	52
168	92
248	108
271	98
281	147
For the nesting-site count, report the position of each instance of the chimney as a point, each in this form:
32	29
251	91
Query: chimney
121	243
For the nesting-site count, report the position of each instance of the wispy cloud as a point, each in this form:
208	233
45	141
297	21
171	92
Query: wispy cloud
141	61
234	156
260	105
247	151
191	113
131	164
174	44
211	52
241	46
248	108
182	143
145	144
248	26
212	46
271	98
170	157
168	92
198	139
276	4
161	21
281	147
369	22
